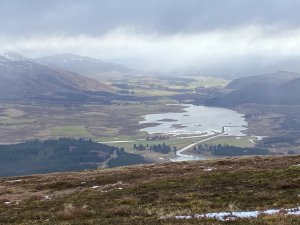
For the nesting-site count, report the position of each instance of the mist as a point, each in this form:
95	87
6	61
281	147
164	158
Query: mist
201	37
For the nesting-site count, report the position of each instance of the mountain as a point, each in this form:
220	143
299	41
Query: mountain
253	93
289	64
203	192
267	89
14	56
277	78
24	79
291	91
86	66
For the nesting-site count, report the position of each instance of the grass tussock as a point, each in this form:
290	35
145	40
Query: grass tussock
71	212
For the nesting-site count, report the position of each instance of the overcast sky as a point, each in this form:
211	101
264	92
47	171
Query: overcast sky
158	34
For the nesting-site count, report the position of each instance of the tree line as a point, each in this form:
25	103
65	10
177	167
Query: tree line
226	150
161	148
157	138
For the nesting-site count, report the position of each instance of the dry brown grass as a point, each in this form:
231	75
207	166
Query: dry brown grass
71	212
145	194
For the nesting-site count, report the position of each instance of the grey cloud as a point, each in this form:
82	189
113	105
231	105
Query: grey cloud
95	17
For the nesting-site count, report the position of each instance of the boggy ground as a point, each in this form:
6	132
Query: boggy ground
19	122
155	194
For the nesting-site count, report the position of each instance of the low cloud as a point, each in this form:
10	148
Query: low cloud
163	35
217	48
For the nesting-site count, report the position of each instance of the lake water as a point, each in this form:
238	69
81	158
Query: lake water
196	120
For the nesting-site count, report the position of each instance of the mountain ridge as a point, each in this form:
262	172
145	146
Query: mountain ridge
86	66
269	89
27	78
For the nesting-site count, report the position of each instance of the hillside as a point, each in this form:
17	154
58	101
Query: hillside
171	193
277	78
281	90
86	66
25	79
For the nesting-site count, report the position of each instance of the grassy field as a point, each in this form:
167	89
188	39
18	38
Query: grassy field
154	86
155	194
180	143
208	82
242	142
100	122
69	131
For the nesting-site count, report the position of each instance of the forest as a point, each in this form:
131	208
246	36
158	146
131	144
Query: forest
161	148
226	150
59	155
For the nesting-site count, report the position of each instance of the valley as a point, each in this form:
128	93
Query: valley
156	117
149	112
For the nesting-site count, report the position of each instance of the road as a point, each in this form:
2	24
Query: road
179	152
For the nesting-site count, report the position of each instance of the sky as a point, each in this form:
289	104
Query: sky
168	35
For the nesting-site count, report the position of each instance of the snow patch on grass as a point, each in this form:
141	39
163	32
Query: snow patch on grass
225	216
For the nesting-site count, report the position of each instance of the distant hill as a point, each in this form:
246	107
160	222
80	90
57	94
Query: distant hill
13	56
277	78
86	66
291	91
280	88
24	78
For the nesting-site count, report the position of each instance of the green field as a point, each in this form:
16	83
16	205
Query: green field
153	86
242	142
69	131
208	82
154	156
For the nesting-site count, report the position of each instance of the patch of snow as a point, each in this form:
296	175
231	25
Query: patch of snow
116	142
251	140
294	213
14	181
259	138
183	217
225	216
47	197
208	169
7	203
94	187
120	188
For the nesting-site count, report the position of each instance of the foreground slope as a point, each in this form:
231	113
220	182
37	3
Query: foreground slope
156	194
